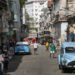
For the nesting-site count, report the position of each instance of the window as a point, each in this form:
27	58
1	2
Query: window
35	9
70	50
36	23
36	14
32	10
36	19
70	0
41	3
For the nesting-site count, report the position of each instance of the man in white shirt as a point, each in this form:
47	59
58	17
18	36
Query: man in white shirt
35	48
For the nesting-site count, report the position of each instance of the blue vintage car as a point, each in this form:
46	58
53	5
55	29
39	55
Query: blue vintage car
22	47
66	58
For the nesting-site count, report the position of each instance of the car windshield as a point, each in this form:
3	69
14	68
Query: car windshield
70	50
21	45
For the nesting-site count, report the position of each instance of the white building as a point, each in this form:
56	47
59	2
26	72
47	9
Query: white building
23	15
34	9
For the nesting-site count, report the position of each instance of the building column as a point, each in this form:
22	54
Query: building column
64	26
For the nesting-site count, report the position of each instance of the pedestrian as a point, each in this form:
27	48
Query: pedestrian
2	60
74	32
34	40
35	48
47	45
71	33
52	48
11	49
55	44
6	62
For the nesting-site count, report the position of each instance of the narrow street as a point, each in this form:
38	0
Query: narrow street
26	22
40	64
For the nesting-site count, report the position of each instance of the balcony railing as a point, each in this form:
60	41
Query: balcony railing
3	4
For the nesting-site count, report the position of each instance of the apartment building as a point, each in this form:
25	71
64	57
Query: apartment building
34	9
63	16
8	21
4	11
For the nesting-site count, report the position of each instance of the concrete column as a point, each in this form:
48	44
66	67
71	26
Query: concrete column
64	26
63	3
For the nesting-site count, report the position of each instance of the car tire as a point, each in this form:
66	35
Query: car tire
60	67
30	53
65	70
15	53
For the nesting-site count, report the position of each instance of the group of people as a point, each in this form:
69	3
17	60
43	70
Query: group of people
50	46
4	55
3	62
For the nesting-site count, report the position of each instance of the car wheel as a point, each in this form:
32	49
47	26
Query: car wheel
15	53
60	67
65	70
29	53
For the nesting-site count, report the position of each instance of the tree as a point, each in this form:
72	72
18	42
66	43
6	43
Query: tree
29	21
22	2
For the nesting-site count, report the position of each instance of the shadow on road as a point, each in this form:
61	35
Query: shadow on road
69	71
14	63
6	74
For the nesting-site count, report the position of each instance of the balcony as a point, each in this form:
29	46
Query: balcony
3	4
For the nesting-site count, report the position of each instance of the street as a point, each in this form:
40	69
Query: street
27	22
40	64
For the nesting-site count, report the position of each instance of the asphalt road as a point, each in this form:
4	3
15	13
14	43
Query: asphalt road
40	64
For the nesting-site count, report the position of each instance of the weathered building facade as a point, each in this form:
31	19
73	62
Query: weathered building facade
62	12
4	20
10	23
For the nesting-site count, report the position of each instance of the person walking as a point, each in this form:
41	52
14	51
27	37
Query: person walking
6	62
55	46
34	40
47	45
35	48
52	49
2	60
71	33
11	49
74	32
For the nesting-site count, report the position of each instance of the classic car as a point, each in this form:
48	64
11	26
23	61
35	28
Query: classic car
22	47
66	58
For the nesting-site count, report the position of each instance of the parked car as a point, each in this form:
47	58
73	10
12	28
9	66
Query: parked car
66	58
22	47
